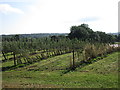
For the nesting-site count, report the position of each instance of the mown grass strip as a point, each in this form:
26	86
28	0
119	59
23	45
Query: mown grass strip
43	63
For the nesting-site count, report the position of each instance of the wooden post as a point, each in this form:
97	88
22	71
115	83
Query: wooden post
71	64
73	59
14	58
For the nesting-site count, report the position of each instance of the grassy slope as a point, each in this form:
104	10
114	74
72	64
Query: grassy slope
101	74
10	63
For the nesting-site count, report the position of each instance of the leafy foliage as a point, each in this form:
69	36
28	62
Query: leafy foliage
83	32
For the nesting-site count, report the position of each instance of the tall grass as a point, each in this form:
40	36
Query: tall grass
93	50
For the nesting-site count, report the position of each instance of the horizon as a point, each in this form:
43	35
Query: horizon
51	16
51	33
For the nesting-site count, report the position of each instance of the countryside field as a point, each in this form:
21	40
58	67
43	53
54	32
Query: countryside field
59	44
44	74
81	59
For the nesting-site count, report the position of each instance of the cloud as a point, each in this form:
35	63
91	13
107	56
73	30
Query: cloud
6	8
89	19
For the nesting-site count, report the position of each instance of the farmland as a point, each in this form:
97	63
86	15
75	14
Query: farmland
83	59
100	74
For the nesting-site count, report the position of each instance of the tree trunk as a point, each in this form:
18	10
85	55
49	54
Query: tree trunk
4	56
14	59
73	59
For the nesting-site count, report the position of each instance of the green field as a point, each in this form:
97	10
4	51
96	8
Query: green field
53	73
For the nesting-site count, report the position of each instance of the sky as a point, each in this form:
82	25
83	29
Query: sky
57	16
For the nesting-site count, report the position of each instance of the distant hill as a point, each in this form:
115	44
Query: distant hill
38	35
114	33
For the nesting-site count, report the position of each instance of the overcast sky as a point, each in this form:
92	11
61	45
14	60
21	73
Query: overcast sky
57	16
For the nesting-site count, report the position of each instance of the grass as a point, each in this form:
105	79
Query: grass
54	63
45	64
8	63
106	65
100	74
117	42
35	57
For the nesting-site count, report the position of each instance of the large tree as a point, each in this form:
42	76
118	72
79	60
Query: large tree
82	32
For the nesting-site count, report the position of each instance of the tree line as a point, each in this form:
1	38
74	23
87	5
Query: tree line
83	32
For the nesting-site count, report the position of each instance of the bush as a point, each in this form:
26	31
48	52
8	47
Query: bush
89	52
